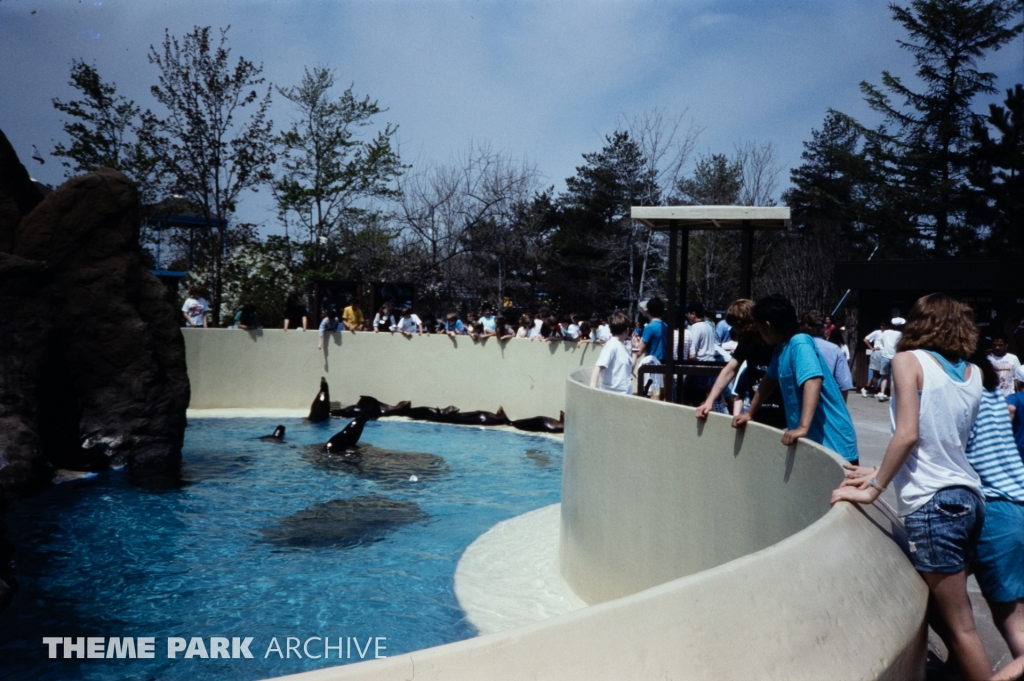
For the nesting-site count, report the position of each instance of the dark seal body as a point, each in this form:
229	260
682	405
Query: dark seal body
276	436
348	437
478	418
430	413
320	410
541	424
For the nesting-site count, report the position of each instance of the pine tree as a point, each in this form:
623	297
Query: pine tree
922	149
996	171
596	254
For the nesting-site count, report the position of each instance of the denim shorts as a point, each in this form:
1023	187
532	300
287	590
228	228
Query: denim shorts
999	566
943	532
883	368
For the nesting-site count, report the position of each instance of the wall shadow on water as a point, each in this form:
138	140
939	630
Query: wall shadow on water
381	465
343	523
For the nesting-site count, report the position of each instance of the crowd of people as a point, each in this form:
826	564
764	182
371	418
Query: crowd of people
956	456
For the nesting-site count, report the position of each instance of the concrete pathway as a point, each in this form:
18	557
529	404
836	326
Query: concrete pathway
871	419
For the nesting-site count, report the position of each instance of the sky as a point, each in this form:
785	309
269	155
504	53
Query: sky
543	82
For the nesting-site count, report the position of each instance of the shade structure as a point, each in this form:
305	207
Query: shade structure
712	217
675	219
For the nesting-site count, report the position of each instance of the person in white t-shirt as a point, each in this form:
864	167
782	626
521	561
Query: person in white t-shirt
872	341
614	366
408	323
195	308
1005	363
890	337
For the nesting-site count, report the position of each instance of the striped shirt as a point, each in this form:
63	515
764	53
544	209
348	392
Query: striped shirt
992	450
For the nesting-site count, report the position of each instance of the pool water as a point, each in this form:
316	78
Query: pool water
267	540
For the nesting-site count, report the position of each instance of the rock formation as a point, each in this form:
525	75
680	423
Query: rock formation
92	361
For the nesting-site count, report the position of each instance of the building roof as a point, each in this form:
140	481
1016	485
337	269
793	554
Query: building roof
712	217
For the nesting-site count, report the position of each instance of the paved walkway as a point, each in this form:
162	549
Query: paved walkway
871	419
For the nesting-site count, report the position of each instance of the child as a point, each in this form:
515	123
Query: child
655	336
328	324
614	366
814	405
407	323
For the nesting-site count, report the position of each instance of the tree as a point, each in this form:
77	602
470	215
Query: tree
460	219
922	149
996	172
104	131
666	148
596	250
713	264
748	178
212	154
332	179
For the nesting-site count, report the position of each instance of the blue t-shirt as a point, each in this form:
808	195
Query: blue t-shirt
654	339
1017	400
722	330
794	363
458	327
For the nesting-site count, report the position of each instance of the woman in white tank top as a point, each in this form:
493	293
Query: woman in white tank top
935	401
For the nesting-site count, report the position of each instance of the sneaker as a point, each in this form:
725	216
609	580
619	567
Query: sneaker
883	398
864	392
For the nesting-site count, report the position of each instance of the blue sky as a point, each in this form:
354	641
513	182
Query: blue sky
540	80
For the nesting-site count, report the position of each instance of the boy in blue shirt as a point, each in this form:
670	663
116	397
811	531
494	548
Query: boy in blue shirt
814	404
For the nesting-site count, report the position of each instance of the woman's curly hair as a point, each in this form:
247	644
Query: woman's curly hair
940	323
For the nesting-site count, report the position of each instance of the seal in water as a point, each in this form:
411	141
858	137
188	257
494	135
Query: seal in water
477	418
541	424
276	436
348	437
320	410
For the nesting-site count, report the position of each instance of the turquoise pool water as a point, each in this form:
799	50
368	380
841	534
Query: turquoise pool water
269	541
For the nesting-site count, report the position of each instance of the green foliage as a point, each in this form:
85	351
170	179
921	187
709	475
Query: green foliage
597	252
996	171
216	137
260	273
104	129
716	181
919	157
333	181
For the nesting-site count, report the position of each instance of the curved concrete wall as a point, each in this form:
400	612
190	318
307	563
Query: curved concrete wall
277	369
649	495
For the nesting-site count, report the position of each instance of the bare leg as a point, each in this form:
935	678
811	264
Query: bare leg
951	599
1009	617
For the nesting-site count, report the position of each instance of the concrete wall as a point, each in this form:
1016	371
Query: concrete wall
649	493
277	369
648	496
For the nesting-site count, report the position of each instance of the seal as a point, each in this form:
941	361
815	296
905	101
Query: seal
347	437
541	424
320	410
276	436
478	418
372	408
430	413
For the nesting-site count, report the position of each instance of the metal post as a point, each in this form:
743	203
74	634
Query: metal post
684	274
746	258
670	289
